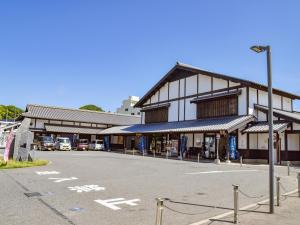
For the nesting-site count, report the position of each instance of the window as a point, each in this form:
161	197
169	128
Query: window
126	109
227	106
156	116
132	113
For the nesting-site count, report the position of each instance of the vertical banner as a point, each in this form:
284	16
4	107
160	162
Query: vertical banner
232	147
142	144
106	143
8	145
183	145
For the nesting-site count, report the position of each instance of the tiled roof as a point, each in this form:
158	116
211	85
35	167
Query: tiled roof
72	130
205	125
294	116
263	127
77	115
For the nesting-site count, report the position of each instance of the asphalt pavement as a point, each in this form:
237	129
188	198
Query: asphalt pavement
87	188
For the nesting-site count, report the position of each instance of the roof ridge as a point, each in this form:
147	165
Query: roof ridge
81	110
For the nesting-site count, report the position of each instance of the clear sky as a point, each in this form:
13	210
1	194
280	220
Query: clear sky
70	53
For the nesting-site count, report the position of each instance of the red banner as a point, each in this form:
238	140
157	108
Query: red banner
8	145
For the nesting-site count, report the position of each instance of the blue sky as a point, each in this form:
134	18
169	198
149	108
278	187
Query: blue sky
70	53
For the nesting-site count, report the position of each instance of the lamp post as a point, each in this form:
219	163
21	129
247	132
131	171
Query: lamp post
259	49
217	160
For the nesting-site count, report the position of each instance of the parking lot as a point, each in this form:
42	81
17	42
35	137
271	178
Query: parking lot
118	189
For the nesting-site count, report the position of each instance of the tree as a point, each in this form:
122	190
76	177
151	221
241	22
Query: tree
92	108
9	112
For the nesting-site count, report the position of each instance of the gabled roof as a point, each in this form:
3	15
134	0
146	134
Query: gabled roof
181	70
263	127
78	115
71	130
227	124
292	116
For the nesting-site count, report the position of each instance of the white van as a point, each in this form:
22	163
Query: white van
63	143
96	145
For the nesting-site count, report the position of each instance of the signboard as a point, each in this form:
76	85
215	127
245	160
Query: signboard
8	145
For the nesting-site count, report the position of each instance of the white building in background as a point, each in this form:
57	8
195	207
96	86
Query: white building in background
127	106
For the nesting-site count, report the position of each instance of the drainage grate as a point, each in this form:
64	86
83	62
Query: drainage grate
32	194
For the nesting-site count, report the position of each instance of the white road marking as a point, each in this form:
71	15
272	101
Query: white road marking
47	172
58	180
221	171
111	203
86	188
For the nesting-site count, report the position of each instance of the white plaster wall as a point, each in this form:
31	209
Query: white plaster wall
173	111
281	136
242	140
198	140
204	83
55	122
219	84
142	117
181	110
233	84
287	104
154	98
276	101
296	126
252	101
86	124
242	101
191	85
263	141
261	116
253	141
182	94
163	93
32	123
67	123
147	102
40	123
293	142
173	89
263	98
190	110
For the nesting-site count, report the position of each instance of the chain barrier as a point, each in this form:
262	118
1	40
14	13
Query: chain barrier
186	213
250	196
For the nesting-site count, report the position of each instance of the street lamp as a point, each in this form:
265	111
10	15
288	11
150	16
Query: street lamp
259	49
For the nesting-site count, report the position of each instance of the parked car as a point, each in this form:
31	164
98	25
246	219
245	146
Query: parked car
83	144
63	143
96	145
45	143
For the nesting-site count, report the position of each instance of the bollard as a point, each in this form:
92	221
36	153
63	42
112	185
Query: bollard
133	151
198	157
125	151
167	155
288	167
299	185
241	160
235	203
154	154
159	210
278	190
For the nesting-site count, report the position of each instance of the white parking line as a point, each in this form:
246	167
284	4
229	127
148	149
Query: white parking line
221	171
47	172
111	203
86	188
58	180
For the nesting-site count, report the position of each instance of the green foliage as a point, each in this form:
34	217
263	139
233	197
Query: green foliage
92	108
11	164
9	111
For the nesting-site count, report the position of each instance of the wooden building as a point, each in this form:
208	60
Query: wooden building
203	105
73	123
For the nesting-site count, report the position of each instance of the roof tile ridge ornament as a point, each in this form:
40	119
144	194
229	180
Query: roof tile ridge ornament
80	110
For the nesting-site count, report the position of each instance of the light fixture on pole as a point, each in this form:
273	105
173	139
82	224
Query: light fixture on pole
259	49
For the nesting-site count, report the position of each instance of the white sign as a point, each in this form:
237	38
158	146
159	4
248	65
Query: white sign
86	188
111	203
58	180
47	172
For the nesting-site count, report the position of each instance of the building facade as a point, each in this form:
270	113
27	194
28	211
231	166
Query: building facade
213	114
73	123
127	106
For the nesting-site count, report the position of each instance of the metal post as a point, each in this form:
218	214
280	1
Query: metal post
241	160
235	203
217	160
159	210
288	167
198	157
167	155
278	190
154	153
299	185
270	118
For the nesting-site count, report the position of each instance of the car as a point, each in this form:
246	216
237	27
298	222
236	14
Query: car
96	145
45	143
63	143
83	144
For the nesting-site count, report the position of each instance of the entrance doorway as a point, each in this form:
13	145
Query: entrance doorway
210	146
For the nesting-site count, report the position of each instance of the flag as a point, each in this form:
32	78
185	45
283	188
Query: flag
8	145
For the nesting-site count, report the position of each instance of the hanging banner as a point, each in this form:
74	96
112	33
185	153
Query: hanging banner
142	144
106	143
183	145
8	145
232	147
